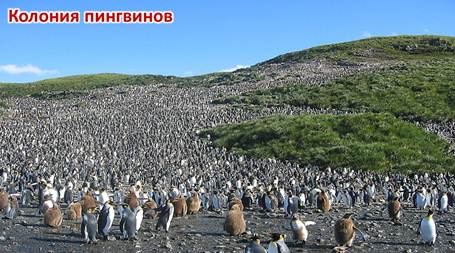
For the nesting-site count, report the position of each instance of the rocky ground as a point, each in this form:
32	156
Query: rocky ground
204	233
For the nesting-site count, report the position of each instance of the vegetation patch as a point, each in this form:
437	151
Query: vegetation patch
376	49
418	91
379	142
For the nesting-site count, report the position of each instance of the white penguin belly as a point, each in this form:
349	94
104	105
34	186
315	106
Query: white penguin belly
428	230
109	220
139	217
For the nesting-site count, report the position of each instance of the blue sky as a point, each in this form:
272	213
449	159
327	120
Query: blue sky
207	35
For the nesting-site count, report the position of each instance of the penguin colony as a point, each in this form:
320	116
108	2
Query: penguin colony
125	154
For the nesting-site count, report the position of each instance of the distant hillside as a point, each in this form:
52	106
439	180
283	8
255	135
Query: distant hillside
376	49
372	49
76	85
422	87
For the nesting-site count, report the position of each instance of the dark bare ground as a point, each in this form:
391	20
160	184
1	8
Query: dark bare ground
204	233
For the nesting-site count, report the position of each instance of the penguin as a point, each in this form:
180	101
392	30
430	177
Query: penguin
53	216
277	245
106	218
345	231
234	223
193	203
12	209
293	206
128	223
322	202
89	228
88	202
300	232
234	200
149	208
139	214
68	197
103	197
427	229
4	200
255	246
74	211
180	207
41	186
27	196
132	199
302	200
394	208
166	213
270	202
47	203
443	203
420	199
247	199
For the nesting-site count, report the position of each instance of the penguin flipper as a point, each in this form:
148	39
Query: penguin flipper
122	225
83	225
362	235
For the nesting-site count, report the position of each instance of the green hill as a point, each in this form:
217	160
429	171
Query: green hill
376	49
418	85
371	141
75	85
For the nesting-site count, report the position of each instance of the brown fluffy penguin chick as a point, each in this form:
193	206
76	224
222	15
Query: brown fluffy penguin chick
53	217
132	200
149	209
88	202
193	203
345	231
180	207
274	201
75	211
323	202
4	196
235	223
236	201
394	209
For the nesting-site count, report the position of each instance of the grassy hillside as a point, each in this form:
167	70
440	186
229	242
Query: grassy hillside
379	142
376	49
373	49
422	91
76	85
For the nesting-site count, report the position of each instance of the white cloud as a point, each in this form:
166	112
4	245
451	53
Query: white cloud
25	69
236	67
426	30
366	34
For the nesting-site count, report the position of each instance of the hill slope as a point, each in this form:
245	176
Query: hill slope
370	141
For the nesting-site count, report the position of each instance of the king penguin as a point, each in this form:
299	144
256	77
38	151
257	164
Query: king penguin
53	216
427	229
323	202
299	229
128	223
12	209
106	219
166	213
443	203
89	228
4	200
345	231
255	246
277	245
394	208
